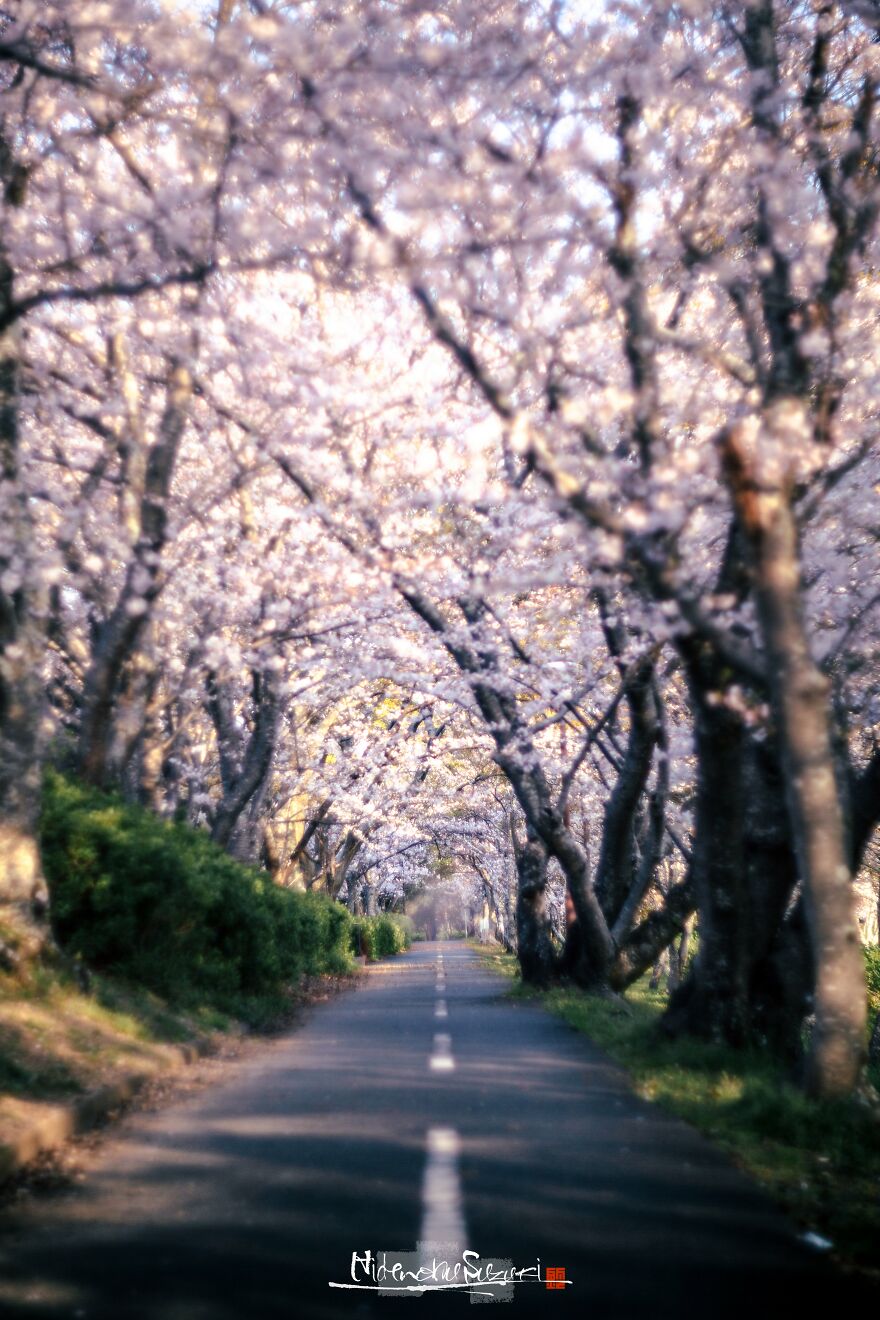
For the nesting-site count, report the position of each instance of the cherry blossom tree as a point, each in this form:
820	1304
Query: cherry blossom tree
440	442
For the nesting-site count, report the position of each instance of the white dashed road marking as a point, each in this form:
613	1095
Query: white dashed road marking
443	1227
441	1059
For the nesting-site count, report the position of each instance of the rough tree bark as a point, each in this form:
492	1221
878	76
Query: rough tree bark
864	798
340	859
651	836
645	944
245	764
617	867
23	612
778	990
800	697
121	633
534	942
151	748
711	1002
759	456
679	955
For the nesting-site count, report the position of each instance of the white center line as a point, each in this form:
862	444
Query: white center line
441	1059
443	1228
440	1009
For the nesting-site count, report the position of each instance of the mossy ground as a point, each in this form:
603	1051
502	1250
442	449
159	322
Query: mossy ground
820	1161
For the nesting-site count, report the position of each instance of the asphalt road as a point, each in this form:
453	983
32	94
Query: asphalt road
379	1125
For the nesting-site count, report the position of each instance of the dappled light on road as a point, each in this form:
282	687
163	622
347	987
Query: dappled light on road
250	1198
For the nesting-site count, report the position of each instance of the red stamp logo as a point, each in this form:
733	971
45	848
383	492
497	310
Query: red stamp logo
554	1276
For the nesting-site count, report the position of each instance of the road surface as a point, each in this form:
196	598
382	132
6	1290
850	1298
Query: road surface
426	1108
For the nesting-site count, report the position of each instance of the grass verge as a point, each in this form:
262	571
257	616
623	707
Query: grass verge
58	1041
820	1161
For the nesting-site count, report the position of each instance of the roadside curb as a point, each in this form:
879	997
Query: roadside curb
51	1125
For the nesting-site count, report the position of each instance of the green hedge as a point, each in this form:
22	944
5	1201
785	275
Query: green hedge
382	936
161	905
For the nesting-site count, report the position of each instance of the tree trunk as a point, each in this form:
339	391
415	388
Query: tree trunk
616	869
248	839
777	995
341	858
711	1002
864	796
121	633
651	850
678	957
23	613
244	769
151	746
534	944
644	945
593	940
789	969
800	699
22	652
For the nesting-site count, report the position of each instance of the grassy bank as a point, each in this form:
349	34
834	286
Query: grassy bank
59	1041
820	1161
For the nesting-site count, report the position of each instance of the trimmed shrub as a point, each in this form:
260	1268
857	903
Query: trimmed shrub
382	936
407	928
158	903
